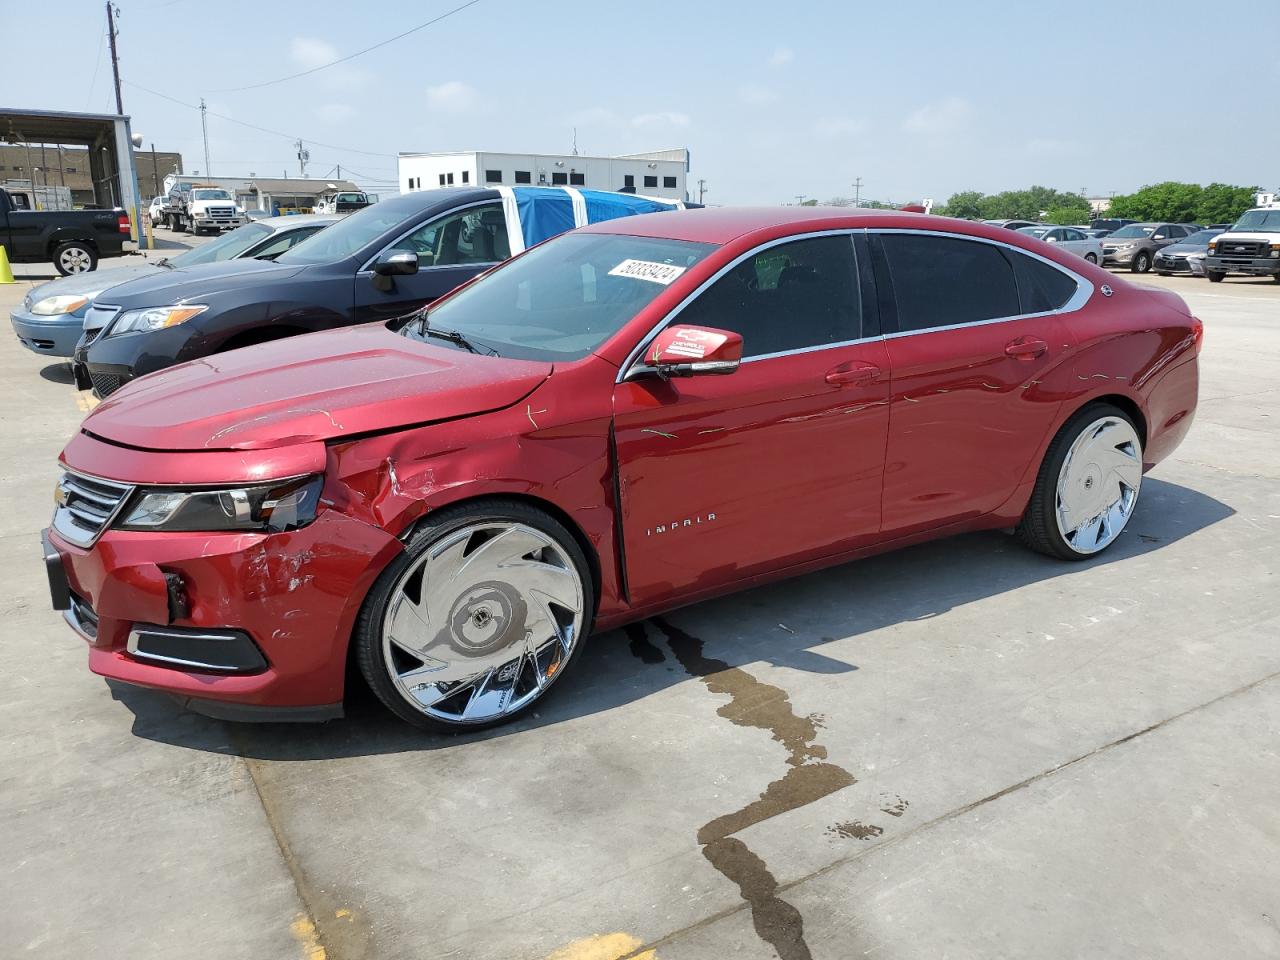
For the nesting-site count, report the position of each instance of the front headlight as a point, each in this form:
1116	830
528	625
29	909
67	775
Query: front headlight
55	306
154	318
1127	246
269	508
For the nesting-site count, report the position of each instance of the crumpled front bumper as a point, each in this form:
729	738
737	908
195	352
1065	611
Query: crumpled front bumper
295	594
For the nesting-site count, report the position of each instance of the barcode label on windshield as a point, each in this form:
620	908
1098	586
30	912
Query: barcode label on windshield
663	273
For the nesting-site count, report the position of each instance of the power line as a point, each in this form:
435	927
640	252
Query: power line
253	126
97	65
351	56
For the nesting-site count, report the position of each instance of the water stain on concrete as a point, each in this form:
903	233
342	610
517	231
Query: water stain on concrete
897	808
809	777
855	830
641	646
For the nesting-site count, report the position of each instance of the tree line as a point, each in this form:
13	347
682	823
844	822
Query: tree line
1171	201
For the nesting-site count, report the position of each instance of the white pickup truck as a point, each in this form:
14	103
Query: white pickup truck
1250	247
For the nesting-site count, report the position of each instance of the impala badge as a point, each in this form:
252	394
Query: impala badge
675	525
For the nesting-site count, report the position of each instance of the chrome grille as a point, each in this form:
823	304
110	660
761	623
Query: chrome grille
221	213
86	506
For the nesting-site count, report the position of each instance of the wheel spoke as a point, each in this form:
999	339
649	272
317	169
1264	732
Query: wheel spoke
497	611
1098	484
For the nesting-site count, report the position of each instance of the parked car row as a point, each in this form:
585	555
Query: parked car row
451	498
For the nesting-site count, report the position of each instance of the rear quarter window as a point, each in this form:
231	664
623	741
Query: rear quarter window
1041	288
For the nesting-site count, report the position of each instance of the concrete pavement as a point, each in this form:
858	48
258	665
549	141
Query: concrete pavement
962	749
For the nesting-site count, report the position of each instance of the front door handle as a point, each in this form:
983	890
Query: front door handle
855	371
1026	348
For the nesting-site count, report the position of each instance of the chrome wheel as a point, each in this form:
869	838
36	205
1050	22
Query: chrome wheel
75	260
482	622
1098	484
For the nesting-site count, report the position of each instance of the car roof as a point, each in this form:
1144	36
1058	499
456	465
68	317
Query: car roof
299	220
720	225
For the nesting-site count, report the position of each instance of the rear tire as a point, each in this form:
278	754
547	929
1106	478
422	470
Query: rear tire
1141	262
1215	277
1095	459
74	256
1091	257
505	579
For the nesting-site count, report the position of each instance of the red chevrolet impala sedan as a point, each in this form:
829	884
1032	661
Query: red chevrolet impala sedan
632	416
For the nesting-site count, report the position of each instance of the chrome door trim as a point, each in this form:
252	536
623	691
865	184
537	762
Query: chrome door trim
1084	290
366	269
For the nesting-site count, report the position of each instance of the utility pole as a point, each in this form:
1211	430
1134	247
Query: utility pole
155	168
702	189
204	128
800	198
303	157
857	191
115	60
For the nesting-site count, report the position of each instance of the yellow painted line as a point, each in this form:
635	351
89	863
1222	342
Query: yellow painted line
86	401
304	931
603	946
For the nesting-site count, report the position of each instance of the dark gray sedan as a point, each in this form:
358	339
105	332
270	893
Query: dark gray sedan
51	317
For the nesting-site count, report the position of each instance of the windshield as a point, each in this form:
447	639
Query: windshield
226	247
1202	237
1135	231
350	197
1261	221
210	195
1034	231
345	237
563	299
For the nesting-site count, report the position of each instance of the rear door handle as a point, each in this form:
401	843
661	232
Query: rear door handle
1026	348
855	371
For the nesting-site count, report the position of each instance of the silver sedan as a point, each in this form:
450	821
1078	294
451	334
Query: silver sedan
1069	238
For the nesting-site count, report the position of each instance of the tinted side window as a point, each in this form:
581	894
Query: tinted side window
943	281
1041	288
280	244
787	297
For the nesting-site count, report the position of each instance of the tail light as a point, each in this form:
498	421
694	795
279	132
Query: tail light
1197	333
122	223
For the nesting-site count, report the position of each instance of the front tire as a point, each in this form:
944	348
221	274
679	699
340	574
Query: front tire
1087	487
74	256
1216	277
1141	262
470	626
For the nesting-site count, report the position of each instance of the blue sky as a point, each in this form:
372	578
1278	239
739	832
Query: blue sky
774	100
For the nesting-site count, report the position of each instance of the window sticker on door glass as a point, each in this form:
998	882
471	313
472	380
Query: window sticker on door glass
663	273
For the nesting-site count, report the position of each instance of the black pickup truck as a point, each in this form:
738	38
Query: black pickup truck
73	239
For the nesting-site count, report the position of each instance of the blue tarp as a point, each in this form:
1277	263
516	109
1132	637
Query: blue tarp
546	212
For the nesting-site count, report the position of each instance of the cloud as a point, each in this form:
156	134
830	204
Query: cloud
781	57
311	52
757	95
454	96
335	112
941	116
834	128
668	118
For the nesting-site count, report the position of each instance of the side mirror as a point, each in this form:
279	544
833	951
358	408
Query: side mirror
681	351
396	263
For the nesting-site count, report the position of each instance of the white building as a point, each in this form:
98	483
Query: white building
661	174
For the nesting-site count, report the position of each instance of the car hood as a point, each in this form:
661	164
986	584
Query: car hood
1226	238
91	283
192	283
309	388
1184	249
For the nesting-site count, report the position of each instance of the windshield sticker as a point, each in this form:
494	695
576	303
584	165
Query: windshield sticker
663	273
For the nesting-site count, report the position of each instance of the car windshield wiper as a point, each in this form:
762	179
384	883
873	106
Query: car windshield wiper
454	337
163	262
